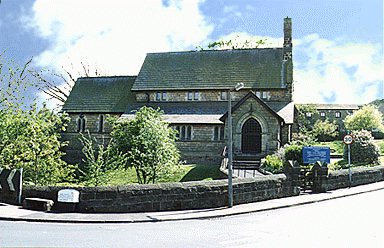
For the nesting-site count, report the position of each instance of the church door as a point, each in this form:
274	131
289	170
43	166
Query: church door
251	137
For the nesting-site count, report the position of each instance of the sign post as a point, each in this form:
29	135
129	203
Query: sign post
348	139
11	183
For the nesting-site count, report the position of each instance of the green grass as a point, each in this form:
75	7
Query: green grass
380	144
337	147
198	172
193	172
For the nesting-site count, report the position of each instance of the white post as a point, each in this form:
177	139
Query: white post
349	165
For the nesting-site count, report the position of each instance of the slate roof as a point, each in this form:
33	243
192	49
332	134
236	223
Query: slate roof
186	119
101	94
215	69
183	108
335	106
201	112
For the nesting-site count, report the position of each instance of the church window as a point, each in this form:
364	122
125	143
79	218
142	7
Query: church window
266	95
218	133
101	124
193	95
308	114
189	133
338	114
224	96
258	94
161	96
322	114
196	95
81	124
158	96
177	128
190	96
184	132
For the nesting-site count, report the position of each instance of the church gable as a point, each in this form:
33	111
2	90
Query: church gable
250	103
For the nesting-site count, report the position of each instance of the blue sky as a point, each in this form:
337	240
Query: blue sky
338	44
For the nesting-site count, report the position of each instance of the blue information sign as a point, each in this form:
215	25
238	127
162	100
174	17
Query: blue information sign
312	154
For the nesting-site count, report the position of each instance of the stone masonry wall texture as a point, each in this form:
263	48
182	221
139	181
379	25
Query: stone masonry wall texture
171	196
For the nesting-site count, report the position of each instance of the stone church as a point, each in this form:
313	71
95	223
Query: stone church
192	89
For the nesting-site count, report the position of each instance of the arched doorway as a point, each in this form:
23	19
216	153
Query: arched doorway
251	137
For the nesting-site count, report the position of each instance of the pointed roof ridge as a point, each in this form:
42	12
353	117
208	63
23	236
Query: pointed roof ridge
245	98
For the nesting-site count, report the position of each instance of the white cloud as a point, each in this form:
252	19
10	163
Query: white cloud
115	35
337	71
330	71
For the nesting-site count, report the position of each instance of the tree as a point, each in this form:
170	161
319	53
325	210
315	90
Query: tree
99	161
363	150
303	115
367	118
149	144
325	130
236	43
29	136
58	85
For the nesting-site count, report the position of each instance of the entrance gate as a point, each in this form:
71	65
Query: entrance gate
251	137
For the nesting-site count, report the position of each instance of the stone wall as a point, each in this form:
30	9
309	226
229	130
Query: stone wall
269	125
360	175
171	196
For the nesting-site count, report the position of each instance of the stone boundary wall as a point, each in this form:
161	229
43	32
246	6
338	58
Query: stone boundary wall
360	175
170	196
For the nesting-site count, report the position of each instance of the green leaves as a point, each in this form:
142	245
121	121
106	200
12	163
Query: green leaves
325	130
99	161
29	139
149	144
366	118
29	136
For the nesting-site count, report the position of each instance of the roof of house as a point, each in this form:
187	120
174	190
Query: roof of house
210	112
335	106
101	94
185	119
214	69
183	108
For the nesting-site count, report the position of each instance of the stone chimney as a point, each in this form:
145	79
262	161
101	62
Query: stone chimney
286	63
287	39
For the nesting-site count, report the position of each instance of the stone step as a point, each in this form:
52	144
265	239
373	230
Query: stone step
38	204
255	164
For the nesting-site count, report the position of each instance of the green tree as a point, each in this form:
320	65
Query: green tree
236	43
99	161
325	130
367	118
363	150
29	135
149	144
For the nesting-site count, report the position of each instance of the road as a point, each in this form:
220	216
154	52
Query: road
355	221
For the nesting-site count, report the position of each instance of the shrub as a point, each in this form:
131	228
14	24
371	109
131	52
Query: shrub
273	164
294	152
367	118
325	130
363	150
149	144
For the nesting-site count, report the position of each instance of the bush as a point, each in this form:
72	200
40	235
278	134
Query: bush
294	152
149	144
325	130
363	150
273	164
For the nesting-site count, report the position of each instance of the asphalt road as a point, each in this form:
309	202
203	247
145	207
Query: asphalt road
355	221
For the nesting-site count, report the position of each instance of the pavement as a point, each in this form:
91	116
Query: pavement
16	213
